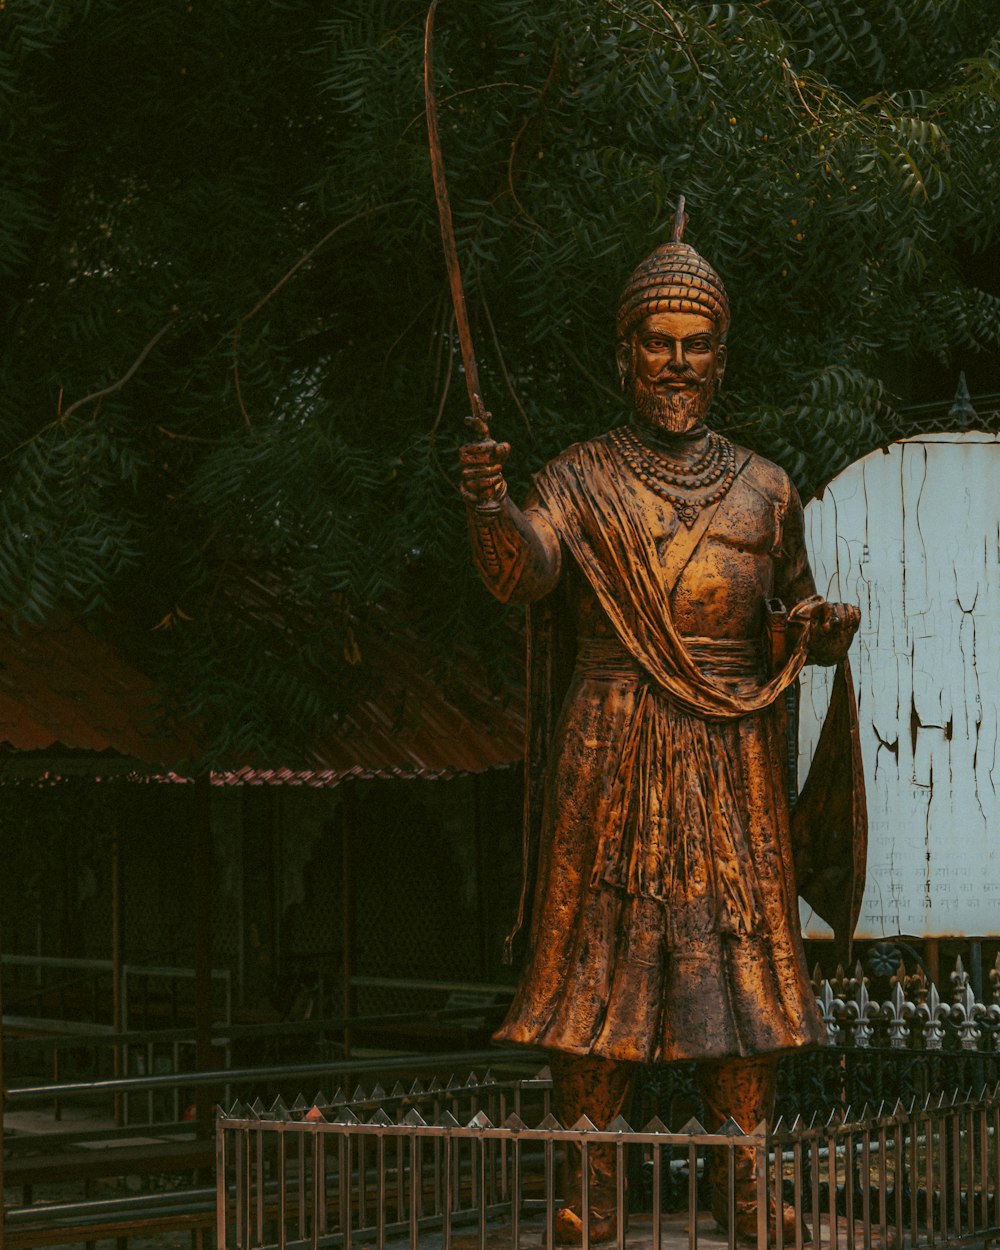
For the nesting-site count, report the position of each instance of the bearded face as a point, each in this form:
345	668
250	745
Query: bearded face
673	366
672	411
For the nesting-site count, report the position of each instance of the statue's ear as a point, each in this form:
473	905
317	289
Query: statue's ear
720	365
623	357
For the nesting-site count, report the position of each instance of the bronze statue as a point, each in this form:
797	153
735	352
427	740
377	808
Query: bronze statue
659	559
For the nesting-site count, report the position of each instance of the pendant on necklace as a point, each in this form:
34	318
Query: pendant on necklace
688	511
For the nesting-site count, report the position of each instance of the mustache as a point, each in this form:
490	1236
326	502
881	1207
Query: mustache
677	375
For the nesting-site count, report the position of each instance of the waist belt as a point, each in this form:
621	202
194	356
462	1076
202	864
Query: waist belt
605	659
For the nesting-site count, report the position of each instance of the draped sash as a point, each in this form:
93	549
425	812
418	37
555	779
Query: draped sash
673	827
596	512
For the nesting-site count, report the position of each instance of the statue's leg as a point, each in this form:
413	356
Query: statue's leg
596	1088
743	1089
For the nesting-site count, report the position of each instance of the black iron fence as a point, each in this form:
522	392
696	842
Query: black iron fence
909	1043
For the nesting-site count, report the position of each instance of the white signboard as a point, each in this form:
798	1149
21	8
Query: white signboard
912	535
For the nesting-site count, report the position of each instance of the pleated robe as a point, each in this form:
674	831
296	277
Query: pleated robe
665	919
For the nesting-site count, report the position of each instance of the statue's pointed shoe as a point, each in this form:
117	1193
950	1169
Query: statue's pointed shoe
746	1226
568	1227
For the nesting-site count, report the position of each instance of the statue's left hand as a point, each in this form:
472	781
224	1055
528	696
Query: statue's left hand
833	626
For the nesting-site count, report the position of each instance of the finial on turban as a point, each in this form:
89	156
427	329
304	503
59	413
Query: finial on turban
680	221
673	278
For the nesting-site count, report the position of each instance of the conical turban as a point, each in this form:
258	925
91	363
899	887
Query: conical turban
674	278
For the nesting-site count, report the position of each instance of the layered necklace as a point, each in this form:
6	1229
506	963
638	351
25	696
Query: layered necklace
688	485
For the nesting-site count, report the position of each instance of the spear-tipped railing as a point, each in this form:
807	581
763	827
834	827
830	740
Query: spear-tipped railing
390	1167
458	1165
316	1175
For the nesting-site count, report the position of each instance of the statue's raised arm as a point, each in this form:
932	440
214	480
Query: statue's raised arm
516	552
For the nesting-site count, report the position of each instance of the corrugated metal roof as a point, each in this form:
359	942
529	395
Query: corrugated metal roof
64	689
69	704
412	724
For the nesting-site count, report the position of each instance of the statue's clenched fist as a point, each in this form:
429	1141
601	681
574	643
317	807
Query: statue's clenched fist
482	461
832	628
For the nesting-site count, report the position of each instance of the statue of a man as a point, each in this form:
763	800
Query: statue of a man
665	917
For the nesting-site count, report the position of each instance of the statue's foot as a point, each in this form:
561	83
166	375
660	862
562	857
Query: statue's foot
746	1225
568	1227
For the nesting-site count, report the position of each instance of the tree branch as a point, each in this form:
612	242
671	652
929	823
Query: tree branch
285	278
632	18
486	86
125	378
678	37
681	37
307	256
503	370
797	84
189	438
550	78
447	380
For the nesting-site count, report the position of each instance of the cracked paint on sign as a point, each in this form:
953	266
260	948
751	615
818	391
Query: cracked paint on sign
912	535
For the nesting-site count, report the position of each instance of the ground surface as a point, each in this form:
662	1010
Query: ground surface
83	1118
675	1235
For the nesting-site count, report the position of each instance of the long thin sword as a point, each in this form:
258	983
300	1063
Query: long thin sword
448	234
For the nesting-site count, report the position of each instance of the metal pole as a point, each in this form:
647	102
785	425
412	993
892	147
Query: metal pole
482	889
24	1094
203	883
117	943
932	953
348	829
976	967
3	1093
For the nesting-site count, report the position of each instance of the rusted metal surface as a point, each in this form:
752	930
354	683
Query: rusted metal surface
63	689
910	532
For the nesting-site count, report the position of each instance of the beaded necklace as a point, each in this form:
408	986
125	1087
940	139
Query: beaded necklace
710	474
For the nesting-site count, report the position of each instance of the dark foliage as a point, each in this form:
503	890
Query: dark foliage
272	456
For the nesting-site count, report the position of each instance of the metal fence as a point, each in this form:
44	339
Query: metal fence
927	1174
935	418
419	1170
889	1039
71	1024
913	1163
909	1042
280	1165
